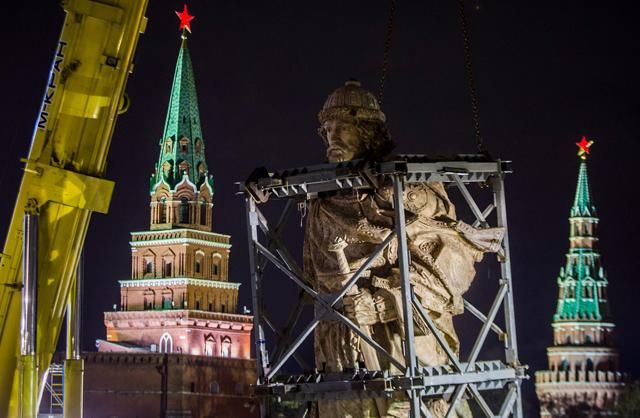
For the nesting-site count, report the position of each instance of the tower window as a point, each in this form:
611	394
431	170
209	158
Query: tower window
571	291
184	144
197	266
203	212
163	211
167	269
209	346
184	211
166	344
215	267
148	267
226	347
149	297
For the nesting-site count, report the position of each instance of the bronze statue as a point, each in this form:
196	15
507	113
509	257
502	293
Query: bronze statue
343	230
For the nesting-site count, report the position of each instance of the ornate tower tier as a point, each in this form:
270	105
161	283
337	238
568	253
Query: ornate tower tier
583	375
181	187
179	298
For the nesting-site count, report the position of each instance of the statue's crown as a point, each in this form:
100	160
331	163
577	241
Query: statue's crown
351	102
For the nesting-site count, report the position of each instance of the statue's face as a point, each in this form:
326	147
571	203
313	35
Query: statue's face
343	140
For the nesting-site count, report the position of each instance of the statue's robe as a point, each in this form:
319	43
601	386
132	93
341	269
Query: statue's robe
442	252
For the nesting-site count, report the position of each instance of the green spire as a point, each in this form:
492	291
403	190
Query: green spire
182	145
582	205
582	282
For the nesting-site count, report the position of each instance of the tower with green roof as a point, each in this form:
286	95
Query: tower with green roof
179	298
583	375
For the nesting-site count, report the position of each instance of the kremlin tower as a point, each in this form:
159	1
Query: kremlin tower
583	378
176	347
179	298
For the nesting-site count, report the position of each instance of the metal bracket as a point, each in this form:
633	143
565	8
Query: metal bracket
66	187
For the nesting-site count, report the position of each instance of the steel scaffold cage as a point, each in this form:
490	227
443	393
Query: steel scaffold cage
461	377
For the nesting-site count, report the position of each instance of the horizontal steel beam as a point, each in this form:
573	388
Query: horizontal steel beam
359	174
431	381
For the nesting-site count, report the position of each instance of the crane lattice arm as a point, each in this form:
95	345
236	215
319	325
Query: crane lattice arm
63	175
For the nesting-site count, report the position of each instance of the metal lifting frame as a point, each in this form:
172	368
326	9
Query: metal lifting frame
461	377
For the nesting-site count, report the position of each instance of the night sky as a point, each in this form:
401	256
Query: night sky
547	73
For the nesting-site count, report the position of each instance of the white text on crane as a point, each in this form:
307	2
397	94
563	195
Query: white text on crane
51	87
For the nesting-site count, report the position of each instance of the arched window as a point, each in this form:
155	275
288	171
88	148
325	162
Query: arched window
215	266
203	212
184	210
199	262
166	168
149	296
589	367
163	211
148	266
167	263
214	387
209	346
166	343
226	347
184	142
564	365
167	299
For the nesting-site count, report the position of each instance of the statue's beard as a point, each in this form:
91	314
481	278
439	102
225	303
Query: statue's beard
338	154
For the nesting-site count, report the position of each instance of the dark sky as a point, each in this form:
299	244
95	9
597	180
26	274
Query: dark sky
547	72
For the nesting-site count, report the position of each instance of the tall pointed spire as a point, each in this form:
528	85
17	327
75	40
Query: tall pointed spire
582	205
583	363
182	144
181	163
583	285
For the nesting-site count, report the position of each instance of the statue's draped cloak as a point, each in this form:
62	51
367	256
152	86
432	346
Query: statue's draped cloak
442	254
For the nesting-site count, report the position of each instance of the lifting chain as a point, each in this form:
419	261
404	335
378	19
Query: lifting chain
468	63
387	48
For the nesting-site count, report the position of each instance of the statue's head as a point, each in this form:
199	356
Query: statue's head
353	126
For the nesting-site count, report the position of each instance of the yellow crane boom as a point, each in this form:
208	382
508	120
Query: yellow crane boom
63	181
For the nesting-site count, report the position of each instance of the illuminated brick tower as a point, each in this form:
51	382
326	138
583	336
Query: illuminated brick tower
583	377
179	298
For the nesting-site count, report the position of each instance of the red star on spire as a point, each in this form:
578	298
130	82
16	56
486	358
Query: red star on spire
185	19
583	147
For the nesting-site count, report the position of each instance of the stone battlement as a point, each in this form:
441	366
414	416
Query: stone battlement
157	358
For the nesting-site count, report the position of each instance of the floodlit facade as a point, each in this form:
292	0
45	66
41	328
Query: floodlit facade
175	345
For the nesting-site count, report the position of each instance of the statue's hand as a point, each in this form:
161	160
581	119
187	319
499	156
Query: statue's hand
360	308
385	306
